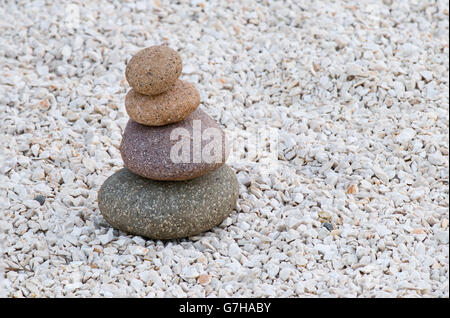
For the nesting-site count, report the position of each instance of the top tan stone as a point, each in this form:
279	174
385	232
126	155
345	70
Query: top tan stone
153	70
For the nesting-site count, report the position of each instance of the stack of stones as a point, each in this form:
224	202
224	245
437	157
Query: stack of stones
175	182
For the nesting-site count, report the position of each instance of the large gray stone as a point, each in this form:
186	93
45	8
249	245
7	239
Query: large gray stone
168	209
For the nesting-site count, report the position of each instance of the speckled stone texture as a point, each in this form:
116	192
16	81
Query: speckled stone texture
153	70
169	107
146	150
168	210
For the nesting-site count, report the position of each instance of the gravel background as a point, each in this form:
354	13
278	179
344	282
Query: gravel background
358	92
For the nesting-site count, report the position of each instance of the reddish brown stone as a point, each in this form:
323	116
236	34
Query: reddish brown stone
146	150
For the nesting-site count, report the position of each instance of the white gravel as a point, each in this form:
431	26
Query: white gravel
357	91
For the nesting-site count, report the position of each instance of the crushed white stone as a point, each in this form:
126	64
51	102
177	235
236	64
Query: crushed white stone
357	93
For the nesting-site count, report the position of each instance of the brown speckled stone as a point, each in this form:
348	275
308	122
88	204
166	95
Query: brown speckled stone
169	107
153	70
168	210
146	149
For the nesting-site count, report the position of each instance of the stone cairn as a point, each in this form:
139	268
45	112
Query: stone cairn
175	182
